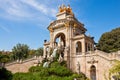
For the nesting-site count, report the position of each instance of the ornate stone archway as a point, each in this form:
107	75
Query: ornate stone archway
60	42
68	30
62	39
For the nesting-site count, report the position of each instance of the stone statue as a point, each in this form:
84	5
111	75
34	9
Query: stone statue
60	59
46	64
54	53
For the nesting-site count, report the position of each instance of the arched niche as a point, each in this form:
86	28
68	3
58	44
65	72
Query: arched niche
93	72
78	47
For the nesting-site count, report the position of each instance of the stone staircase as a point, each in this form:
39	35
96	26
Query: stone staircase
21	66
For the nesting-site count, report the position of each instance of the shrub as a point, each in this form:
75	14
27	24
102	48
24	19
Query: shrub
79	76
56	71
22	76
39	70
59	70
63	63
5	74
44	72
35	69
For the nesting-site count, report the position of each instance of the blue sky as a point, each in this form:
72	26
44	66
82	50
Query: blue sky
26	21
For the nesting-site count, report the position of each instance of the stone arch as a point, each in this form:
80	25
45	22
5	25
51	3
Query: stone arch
93	72
61	43
78	47
62	37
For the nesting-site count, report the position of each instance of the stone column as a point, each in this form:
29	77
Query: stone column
51	39
44	53
83	47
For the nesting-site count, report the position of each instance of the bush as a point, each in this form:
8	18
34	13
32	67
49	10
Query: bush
39	70
22	76
44	72
5	74
59	70
54	77
79	76
56	71
28	76
63	63
35	69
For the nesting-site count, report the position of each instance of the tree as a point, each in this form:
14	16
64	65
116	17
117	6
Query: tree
110	41
39	52
20	51
32	52
3	59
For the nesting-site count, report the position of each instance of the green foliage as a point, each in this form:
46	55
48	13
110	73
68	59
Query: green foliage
59	70
5	74
29	76
115	70
23	76
110	41
20	51
42	71
32	52
39	52
4	58
63	63
79	76
56	71
35	69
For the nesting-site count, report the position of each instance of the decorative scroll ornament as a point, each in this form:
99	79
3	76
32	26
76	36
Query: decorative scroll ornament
75	25
51	29
67	24
92	61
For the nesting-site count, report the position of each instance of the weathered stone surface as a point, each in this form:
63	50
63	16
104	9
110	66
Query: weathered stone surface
21	67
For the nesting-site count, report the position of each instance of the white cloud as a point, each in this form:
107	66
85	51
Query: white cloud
22	9
13	10
41	7
5	29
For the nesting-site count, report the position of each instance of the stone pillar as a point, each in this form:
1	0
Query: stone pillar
44	53
83	47
51	39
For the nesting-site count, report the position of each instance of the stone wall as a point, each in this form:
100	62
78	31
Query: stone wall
21	67
101	60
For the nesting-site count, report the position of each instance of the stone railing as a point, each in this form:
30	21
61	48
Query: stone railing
17	62
109	56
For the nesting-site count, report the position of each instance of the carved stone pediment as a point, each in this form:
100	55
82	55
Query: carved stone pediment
92	61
